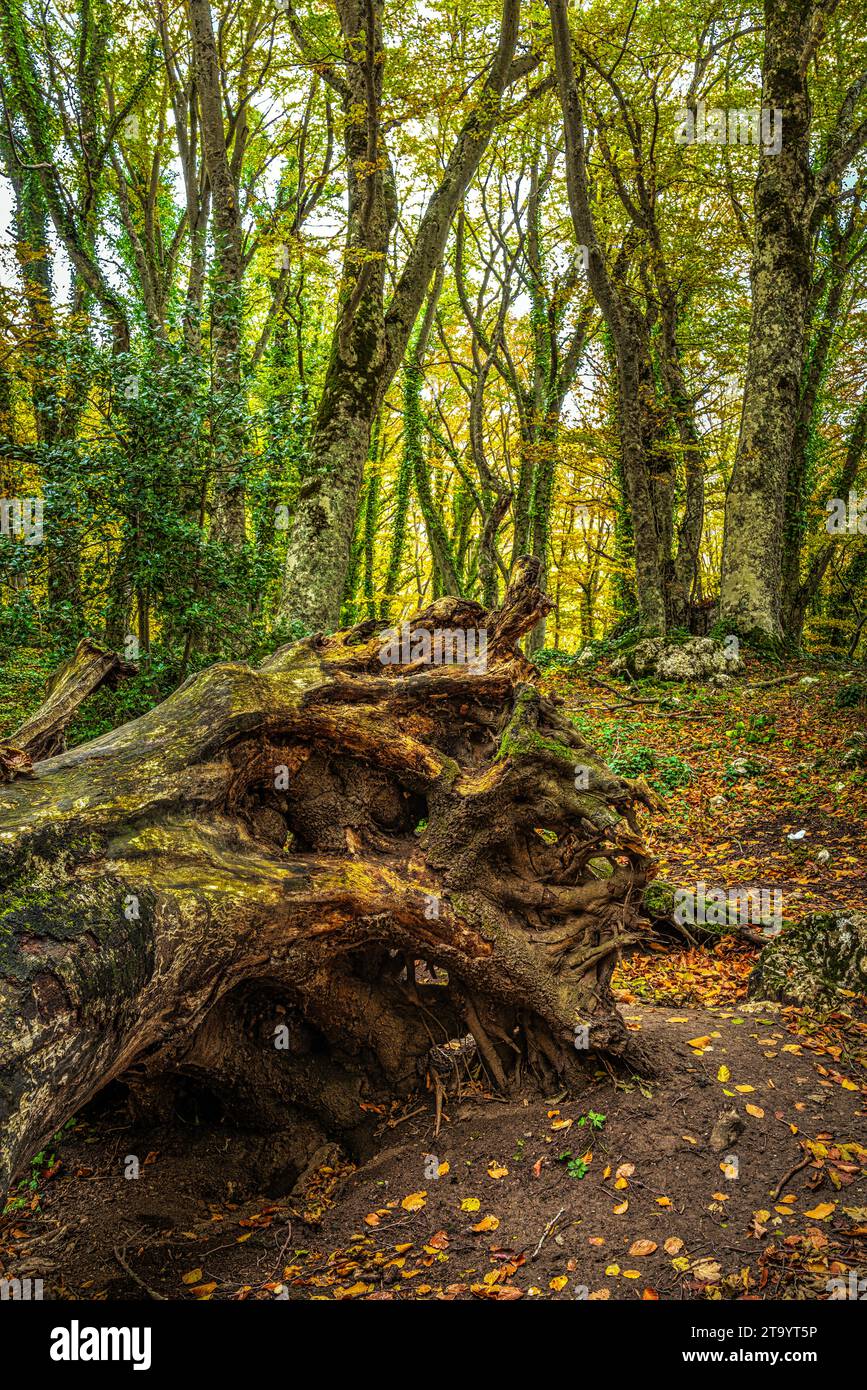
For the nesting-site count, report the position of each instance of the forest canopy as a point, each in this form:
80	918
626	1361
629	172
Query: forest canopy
312	312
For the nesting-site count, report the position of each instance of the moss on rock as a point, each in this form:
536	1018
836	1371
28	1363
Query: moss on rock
812	961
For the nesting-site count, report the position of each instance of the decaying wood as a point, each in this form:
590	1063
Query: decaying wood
44	733
235	886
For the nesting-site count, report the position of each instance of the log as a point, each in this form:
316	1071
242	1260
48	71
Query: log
236	886
44	733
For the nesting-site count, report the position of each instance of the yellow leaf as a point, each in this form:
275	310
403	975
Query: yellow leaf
699	1042
193	1276
470	1204
415	1201
497	1171
632	1273
204	1291
621	1207
744	1089
822	1211
443	1168
613	1269
723	1074
487	1223
756	1111
663	1201
559	1283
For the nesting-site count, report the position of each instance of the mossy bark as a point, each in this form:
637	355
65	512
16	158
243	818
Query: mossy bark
308	828
752	569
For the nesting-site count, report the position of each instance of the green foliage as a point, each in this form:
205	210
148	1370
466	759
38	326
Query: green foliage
593	1119
757	729
851	695
664	771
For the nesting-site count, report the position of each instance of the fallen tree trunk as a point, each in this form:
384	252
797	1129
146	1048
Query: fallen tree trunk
236	886
44	733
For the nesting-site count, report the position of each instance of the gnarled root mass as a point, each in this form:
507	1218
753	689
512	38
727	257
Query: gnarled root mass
238	886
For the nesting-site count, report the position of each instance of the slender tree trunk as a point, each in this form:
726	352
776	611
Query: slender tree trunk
750	592
370	339
647	470
228	433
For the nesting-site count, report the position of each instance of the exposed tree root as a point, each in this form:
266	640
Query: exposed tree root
237	886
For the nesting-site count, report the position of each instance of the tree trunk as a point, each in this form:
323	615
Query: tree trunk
647	470
751	582
263	855
228	433
370	337
44	733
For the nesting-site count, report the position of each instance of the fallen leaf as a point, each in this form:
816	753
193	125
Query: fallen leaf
414	1202
822	1211
487	1223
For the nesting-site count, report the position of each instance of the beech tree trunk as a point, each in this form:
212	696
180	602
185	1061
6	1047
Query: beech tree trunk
371	336
647	466
268	853
751	581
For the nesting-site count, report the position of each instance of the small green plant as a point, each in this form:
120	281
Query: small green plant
593	1119
576	1168
664	771
42	1167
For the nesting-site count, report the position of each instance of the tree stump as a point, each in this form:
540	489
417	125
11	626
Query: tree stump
237	885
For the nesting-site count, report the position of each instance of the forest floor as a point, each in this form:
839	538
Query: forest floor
614	1193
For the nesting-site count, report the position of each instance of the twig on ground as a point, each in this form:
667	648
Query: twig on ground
547	1231
791	1173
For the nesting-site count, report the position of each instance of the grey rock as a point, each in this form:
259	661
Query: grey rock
696	659
812	961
